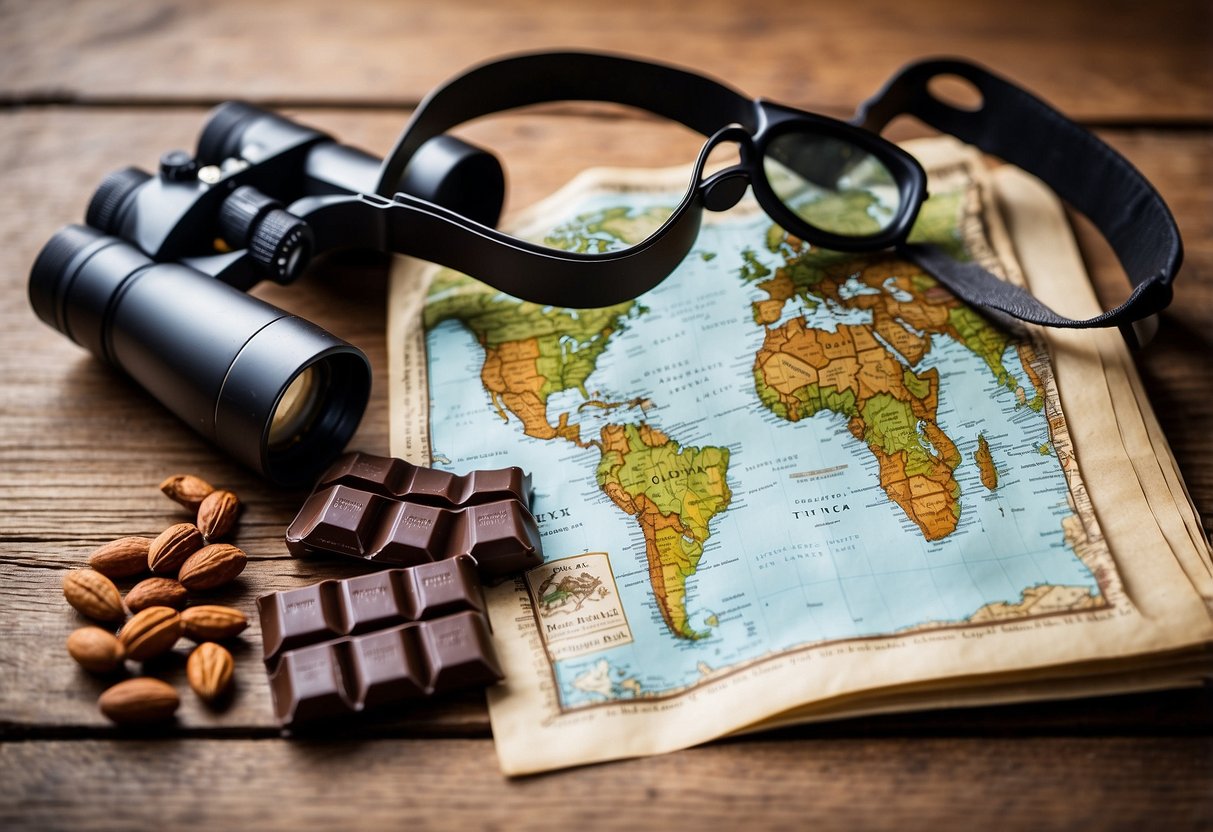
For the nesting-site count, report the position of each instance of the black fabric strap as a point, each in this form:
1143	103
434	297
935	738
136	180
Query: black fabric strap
700	103
1084	171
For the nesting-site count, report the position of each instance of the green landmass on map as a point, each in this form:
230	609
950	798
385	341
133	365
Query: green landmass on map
674	493
985	463
865	373
532	352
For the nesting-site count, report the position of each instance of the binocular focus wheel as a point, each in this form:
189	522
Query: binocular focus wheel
105	208
277	240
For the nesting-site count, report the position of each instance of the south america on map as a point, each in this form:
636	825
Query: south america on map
776	449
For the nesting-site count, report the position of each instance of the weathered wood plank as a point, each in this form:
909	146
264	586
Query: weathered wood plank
1096	60
44	693
1008	784
81	448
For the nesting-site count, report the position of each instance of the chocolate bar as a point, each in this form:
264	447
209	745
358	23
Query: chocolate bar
332	609
341	647
400	480
501	537
400	664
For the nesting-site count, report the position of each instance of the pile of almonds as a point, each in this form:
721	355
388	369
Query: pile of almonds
185	558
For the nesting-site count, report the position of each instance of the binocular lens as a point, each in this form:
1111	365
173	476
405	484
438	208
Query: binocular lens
277	392
296	410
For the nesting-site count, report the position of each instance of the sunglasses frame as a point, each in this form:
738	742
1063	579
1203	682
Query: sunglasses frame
776	120
561	278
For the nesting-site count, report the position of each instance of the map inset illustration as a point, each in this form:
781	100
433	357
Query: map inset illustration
778	448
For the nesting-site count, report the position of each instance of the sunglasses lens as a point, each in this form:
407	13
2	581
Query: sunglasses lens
832	184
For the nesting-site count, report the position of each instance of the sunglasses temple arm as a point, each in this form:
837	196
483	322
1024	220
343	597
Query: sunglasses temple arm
549	277
701	103
1084	171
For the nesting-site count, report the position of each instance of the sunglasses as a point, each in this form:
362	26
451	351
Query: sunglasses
838	185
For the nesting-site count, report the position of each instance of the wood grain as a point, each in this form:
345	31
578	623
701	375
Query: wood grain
82	448
44	693
1101	62
1004	784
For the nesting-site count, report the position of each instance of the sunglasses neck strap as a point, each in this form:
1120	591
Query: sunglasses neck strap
1019	128
698	102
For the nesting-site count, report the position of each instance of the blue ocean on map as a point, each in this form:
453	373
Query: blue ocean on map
810	549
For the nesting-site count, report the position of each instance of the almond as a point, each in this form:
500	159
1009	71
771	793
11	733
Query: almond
209	670
93	594
156	592
213	623
217	514
95	649
171	548
121	558
212	566
187	490
150	633
139	701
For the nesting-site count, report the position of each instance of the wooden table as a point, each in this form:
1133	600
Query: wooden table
90	87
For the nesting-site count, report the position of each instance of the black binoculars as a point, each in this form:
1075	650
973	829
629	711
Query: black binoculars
154	282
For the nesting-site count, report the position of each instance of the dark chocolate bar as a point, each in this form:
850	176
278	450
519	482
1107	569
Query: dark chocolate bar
332	609
501	537
399	664
396	479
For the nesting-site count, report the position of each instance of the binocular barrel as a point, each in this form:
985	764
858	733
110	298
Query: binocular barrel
275	391
444	170
235	129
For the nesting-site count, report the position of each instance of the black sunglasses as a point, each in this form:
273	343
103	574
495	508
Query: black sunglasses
835	184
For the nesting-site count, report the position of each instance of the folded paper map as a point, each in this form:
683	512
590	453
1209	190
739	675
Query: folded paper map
791	484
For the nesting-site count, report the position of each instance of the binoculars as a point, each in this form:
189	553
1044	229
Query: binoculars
154	282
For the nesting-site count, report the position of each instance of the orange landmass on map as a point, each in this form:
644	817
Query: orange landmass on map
1042	599
511	376
673	492
865	373
780	289
985	463
930	498
669	563
1027	359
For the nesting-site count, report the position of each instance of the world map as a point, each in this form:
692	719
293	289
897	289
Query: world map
778	447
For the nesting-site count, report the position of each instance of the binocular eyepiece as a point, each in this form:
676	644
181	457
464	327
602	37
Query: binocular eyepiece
153	284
